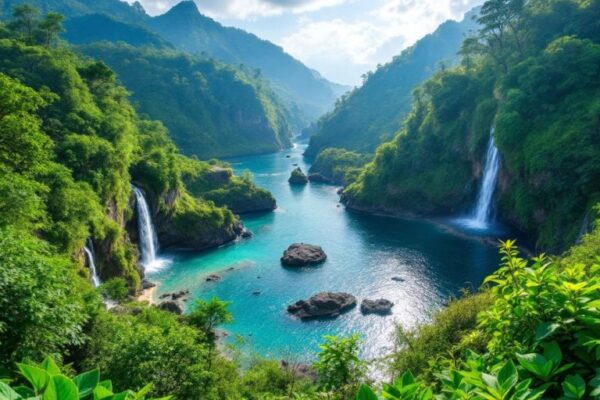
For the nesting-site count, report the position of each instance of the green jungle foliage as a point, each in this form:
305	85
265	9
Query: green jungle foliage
373	113
45	380
92	28
304	91
210	109
216	182
339	165
534	73
71	144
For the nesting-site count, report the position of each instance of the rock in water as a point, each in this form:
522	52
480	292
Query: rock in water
300	254
298	177
174	307
380	306
213	278
319	178
325	304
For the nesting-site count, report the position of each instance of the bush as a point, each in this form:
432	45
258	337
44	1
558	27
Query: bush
46	381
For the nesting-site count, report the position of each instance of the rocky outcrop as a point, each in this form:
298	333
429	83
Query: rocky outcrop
319	178
302	254
172	306
247	203
298	177
322	305
213	278
379	307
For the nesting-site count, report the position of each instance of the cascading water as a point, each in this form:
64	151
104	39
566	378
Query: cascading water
92	263
148	240
482	212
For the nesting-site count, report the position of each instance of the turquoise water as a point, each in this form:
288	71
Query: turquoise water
364	253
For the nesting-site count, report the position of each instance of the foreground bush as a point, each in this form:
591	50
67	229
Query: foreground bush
45	380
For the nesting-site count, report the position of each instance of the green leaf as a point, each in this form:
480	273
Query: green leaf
50	366
365	393
507	377
37	377
7	393
100	392
65	388
574	387
107	384
87	381
545	330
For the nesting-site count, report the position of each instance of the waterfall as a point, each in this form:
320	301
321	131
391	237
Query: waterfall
482	212
148	240
89	251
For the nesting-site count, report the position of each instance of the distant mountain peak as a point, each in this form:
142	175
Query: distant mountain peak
186	7
138	7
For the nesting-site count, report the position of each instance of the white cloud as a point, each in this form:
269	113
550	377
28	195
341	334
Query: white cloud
243	9
381	34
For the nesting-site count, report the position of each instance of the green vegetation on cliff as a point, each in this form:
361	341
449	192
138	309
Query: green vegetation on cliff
210	109
538	82
372	113
338	165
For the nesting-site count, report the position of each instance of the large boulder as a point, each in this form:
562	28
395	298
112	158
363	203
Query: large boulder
298	177
380	306
325	304
172	306
301	254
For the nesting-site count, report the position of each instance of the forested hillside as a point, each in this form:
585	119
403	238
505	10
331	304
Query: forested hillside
303	88
372	113
305	92
534	74
210	109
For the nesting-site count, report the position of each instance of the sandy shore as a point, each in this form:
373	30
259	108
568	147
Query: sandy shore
148	295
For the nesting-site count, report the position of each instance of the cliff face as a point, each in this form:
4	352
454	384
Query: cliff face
546	134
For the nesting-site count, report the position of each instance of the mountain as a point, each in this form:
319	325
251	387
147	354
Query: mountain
91	28
303	89
537	91
116	9
189	30
210	109
373	113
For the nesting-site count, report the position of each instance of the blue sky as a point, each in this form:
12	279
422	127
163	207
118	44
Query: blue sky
342	39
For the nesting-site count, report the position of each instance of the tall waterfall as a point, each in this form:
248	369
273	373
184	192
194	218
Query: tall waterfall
89	251
483	208
148	239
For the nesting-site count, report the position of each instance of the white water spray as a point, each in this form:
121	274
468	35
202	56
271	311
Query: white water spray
148	240
482	212
92	263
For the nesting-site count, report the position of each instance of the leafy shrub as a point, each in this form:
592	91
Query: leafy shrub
115	289
46	381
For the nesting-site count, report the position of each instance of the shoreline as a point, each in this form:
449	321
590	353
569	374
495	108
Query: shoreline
148	295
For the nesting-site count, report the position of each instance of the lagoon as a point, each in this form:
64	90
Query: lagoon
364	252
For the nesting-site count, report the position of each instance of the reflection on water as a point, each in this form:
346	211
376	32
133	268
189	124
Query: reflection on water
429	262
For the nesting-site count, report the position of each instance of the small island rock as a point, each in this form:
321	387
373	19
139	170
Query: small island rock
298	177
300	254
325	304
380	306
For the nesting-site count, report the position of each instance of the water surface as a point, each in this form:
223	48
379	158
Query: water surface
364	254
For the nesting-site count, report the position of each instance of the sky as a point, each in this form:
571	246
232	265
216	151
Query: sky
342	39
